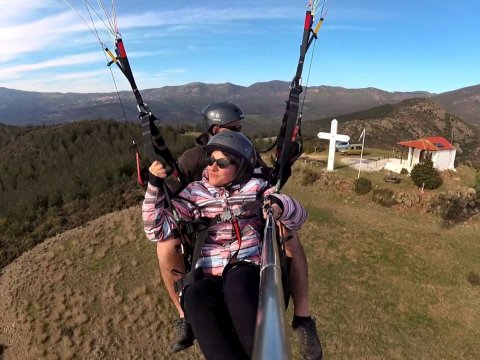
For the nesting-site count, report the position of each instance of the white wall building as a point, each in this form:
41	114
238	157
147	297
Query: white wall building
437	148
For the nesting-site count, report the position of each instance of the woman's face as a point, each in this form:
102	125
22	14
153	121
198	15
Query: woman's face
218	176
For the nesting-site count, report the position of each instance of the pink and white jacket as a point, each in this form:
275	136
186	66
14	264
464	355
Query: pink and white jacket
200	199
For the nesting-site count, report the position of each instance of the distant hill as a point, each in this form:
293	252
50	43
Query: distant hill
408	120
465	103
57	177
183	104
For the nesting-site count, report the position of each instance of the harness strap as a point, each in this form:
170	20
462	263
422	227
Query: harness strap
192	275
232	216
238	234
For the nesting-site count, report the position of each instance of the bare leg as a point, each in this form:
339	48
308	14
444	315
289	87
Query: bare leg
303	324
170	258
298	274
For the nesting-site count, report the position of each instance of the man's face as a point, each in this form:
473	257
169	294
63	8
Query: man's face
231	126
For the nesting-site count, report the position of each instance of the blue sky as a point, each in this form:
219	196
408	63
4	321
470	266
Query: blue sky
393	45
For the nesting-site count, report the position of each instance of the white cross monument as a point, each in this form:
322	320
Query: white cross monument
333	137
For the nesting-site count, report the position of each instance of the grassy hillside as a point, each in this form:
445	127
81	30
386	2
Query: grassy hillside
385	283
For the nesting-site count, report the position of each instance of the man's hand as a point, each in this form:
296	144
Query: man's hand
277	212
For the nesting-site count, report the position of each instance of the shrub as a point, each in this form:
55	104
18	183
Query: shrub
362	186
425	175
476	185
309	177
126	169
384	197
473	278
55	200
448	208
404	171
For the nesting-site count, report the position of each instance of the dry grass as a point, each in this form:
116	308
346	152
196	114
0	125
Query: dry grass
385	284
389	284
90	293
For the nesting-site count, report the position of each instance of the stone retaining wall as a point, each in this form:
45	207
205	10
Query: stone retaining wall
463	202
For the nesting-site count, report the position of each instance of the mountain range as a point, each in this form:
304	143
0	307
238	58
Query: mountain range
263	101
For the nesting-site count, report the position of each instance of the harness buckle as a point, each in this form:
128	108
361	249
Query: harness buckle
223	217
228	215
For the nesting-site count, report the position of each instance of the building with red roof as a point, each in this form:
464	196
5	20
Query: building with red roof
437	148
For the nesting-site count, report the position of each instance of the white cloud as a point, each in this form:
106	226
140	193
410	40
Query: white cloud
42	40
137	54
71	60
80	75
36	36
203	16
83	83
14	11
51	31
91	81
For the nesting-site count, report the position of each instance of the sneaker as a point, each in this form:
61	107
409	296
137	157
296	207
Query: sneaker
310	347
183	335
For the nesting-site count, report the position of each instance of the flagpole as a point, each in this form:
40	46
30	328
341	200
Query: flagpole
361	154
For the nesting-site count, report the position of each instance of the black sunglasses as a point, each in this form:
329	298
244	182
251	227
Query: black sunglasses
222	163
235	128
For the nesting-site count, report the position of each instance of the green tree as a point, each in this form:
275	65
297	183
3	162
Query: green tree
425	175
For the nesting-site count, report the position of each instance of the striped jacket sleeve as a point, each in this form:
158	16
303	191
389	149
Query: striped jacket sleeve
158	222
294	213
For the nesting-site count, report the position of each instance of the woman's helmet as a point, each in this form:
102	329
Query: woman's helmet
238	145
221	113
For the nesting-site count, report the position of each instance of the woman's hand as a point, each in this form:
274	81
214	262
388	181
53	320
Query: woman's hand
158	170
